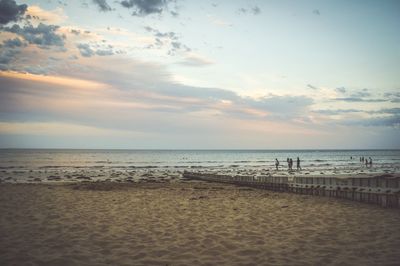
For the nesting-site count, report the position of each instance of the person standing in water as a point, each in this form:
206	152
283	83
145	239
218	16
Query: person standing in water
290	164
298	164
276	163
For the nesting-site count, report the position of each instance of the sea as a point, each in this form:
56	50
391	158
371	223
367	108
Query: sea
72	165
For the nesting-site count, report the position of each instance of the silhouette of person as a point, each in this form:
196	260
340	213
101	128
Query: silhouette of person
276	163
298	164
370	161
366	162
290	164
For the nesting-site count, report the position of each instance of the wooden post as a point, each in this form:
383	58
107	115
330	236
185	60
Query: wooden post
384	200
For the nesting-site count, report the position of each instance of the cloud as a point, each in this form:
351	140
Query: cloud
359	99
341	89
393	111
312	87
87	51
76	32
56	128
336	111
393	97
6	56
101	52
316	12
145	7
134	93
10	11
255	10
196	60
170	34
134	86
360	96
361	93
242	10
392	94
51	16
169	40
43	35
9	50
53	80
176	45
386	121
384	117
282	106
357	96
138	96
13	43
103	5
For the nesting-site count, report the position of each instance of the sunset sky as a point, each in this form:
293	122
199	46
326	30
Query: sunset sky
183	74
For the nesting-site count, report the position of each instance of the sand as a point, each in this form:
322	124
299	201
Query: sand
189	223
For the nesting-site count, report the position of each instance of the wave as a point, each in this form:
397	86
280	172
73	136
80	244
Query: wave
12	167
144	167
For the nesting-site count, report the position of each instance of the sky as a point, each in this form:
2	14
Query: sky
181	74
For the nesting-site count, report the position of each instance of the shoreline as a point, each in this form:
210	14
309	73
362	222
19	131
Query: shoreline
173	175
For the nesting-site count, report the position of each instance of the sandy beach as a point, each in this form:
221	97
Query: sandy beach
189	223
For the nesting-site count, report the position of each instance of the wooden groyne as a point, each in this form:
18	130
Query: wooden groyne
382	190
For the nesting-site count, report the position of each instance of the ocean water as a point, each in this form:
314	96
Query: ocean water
35	165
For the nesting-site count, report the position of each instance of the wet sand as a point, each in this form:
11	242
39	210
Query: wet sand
189	223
